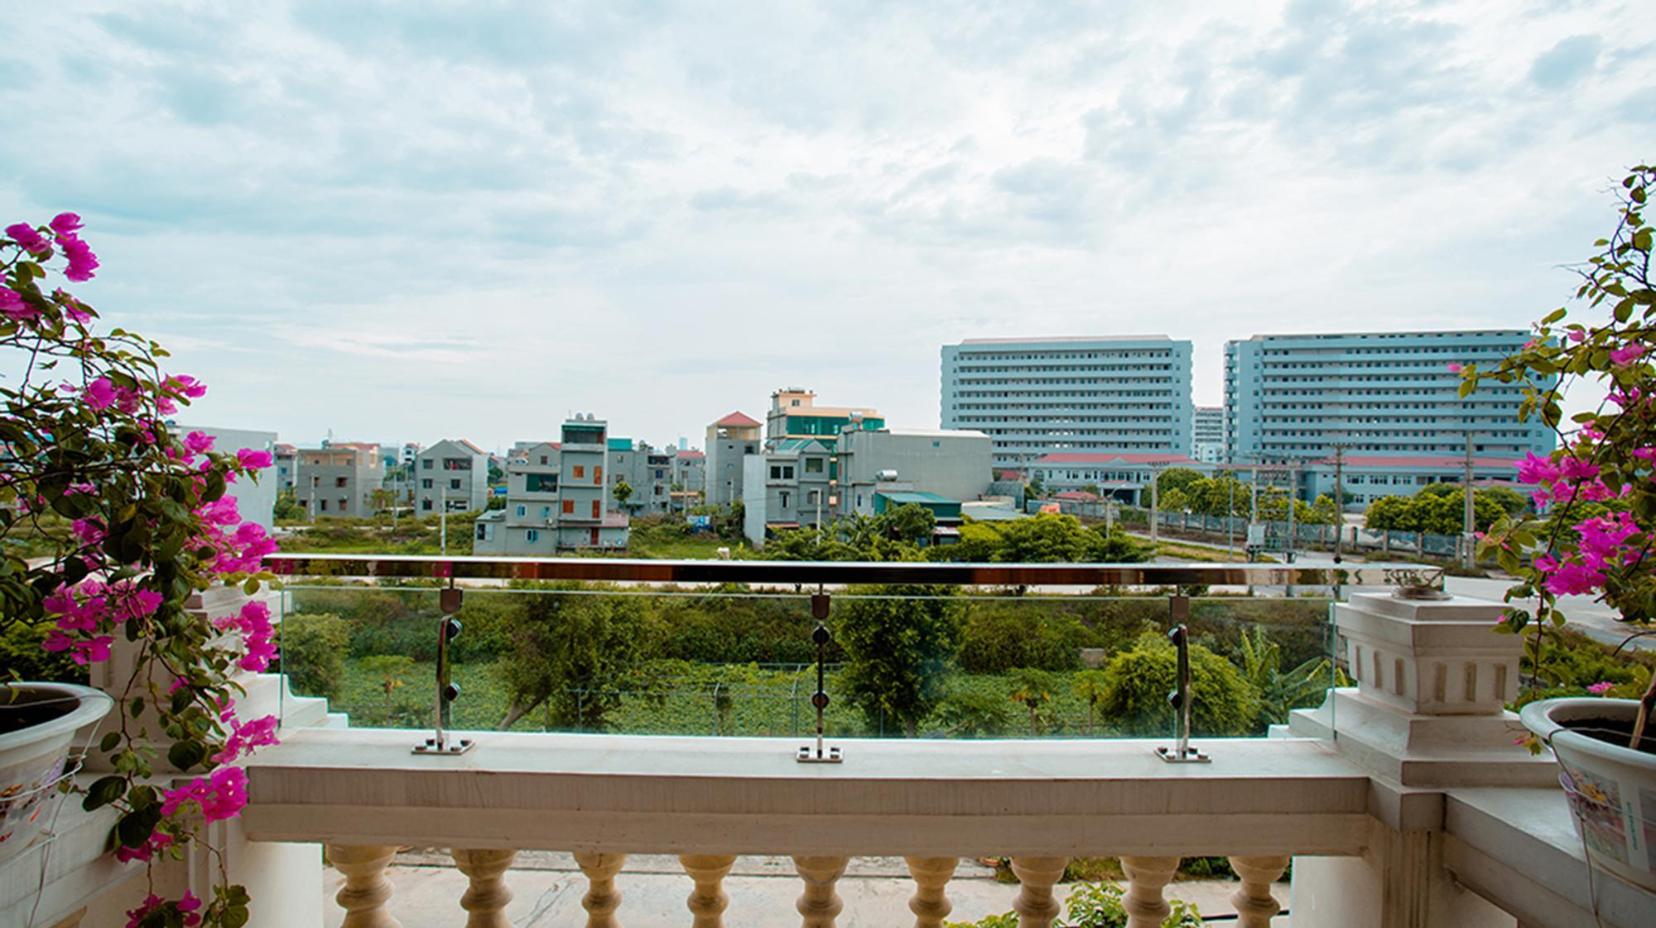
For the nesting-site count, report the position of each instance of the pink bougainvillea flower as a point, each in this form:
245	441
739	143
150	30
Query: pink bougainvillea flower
1577	469
253	459
245	737
1645	454
1600	688
30	238
1455	367
1627	354
187	906
154	844
66	223
82	262
135	917
1536	469
198	443
14	306
220	795
99	394
1578	335
1574	580
184	385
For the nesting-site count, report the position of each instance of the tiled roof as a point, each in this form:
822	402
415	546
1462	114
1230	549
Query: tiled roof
738	420
688	455
1077	495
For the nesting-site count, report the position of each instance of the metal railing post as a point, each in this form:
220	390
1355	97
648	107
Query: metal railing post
820	754
448	628
1181	752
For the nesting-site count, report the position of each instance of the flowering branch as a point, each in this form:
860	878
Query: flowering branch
1598	488
136	519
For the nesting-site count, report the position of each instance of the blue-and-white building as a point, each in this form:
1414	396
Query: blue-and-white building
1039	396
1298	397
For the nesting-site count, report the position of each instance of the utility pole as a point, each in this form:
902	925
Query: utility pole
1230	511
1293	503
442	522
1339	500
1469	526
1155	503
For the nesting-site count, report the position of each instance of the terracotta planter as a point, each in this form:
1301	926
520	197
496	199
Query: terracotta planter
39	724
1612	788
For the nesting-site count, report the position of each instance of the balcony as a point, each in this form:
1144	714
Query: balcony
1392	811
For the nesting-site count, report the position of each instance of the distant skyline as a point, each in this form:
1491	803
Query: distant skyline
411	221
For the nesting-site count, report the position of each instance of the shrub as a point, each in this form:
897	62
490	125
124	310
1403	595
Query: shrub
1137	683
313	648
1002	636
897	650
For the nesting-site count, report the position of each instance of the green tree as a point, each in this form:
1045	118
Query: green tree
313	653
909	522
1114	546
1091	686
287	507
1281	691
569	654
1176	478
622	491
1138	681
1034	690
974	712
1043	538
897	644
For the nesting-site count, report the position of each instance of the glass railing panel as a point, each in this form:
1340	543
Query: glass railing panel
933	661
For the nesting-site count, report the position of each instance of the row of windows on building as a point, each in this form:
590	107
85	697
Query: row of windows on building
965	356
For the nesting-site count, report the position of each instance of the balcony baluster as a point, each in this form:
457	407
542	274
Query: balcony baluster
602	898
1146	878
1035	906
708	900
366	890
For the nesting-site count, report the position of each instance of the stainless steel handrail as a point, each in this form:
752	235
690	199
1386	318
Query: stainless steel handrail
1422	579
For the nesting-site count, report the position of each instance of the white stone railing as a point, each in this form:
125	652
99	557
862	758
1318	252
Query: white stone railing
708	801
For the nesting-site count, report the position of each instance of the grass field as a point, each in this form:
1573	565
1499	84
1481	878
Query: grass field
762	703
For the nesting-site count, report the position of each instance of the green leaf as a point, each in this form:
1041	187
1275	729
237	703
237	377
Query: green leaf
109	741
186	754
104	791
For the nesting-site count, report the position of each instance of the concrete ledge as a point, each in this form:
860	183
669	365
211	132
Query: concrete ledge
1518	849
748	796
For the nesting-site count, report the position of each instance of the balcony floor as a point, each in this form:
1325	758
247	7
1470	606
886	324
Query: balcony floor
547	890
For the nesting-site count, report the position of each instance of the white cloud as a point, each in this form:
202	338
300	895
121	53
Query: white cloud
403	221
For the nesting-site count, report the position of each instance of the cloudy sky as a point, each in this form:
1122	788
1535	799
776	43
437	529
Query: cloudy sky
404	221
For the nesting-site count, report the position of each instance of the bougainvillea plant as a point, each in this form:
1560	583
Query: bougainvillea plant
109	522
1597	491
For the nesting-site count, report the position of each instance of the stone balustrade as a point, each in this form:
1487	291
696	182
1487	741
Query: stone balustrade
708	801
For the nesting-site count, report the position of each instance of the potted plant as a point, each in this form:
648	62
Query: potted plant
1598	495
110	522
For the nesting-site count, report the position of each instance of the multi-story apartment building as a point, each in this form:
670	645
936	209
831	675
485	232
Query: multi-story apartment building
728	441
584	517
287	466
806	482
787	486
451	475
340	479
1037	396
557	497
528	525
794	414
647	472
954	464
1298	397
1208	434
689	478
